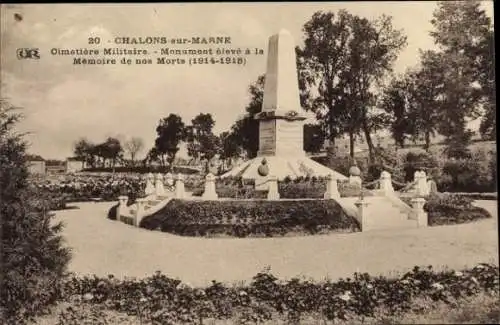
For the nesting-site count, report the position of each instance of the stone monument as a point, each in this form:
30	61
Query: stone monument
281	121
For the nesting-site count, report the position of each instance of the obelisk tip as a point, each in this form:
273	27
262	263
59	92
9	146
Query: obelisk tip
284	32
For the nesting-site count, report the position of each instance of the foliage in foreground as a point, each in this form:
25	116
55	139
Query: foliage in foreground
33	259
162	300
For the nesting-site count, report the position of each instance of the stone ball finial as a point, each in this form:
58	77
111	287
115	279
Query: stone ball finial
354	170
385	174
263	169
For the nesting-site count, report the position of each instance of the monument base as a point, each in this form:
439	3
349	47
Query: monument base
282	167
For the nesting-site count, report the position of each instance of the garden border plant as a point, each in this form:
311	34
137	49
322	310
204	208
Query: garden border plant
159	299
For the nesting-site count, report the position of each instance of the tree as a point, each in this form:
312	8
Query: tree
111	150
426	111
396	100
33	260
321	61
83	151
170	132
314	138
342	60
373	48
202	143
246	129
463	33
414	102
486	67
133	147
229	146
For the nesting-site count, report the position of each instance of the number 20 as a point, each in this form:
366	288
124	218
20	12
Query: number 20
94	40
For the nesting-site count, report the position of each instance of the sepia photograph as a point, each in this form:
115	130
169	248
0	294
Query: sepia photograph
262	163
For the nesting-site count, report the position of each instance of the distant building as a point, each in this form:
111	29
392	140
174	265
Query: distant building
36	167
55	167
73	165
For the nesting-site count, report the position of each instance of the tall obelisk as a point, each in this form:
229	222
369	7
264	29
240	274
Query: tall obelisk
281	122
281	119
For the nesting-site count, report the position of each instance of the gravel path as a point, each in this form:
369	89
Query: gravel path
102	247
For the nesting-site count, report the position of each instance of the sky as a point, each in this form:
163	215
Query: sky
63	102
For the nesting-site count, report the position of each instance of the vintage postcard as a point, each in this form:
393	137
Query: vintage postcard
239	163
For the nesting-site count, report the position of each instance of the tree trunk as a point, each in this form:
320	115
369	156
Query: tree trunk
351	144
369	141
427	141
330	153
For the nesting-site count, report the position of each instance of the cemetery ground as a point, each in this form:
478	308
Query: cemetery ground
101	246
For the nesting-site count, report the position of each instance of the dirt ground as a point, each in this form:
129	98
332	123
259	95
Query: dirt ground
101	246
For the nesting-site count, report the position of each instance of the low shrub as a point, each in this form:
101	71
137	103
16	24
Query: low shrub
113	212
250	218
474	174
415	161
477	195
159	299
452	209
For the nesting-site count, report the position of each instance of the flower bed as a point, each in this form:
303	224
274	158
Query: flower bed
89	188
159	299
243	218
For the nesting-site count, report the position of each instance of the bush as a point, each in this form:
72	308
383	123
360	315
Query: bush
33	260
477	196
414	161
113	212
474	174
452	209
250	218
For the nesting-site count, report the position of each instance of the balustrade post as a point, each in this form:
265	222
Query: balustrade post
332	190
418	212
273	193
210	193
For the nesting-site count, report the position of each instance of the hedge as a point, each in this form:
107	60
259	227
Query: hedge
477	195
242	218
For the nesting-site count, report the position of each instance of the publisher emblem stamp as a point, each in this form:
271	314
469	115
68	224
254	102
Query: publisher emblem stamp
28	53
